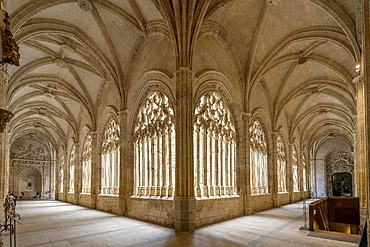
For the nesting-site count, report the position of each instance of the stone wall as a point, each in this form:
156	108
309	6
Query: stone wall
85	200
283	199
108	203
209	211
259	203
151	210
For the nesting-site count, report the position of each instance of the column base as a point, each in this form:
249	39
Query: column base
185	215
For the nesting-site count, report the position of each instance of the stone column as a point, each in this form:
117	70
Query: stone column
4	147
65	177
78	177
300	167
360	147
244	160
185	204
365	71
95	169
273	170
126	168
312	175
289	173
52	177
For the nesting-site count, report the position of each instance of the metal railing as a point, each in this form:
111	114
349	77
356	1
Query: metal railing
10	221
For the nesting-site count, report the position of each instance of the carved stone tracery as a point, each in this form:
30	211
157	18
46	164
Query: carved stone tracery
258	160
339	161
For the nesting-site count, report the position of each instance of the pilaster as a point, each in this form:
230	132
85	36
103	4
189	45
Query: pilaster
185	204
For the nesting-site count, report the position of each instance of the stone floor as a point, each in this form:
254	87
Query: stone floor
52	223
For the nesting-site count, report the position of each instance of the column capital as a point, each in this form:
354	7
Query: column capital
274	133
246	115
358	79
124	112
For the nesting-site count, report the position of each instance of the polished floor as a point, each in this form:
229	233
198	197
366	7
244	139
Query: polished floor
52	223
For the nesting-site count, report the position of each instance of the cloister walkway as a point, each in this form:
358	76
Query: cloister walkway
53	223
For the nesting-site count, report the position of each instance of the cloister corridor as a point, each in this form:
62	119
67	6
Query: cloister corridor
47	223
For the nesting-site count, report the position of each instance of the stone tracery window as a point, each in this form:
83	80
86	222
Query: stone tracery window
258	160
304	173
61	174
281	163
72	167
214	148
295	169
155	147
110	159
86	165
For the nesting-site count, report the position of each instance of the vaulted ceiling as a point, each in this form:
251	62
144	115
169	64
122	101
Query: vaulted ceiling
301	53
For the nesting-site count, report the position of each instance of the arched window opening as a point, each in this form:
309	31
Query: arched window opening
281	164
72	167
86	165
214	148
110	159
304	173
295	169
155	148
61	174
258	160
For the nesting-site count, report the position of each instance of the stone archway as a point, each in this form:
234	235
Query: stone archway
29	173
338	162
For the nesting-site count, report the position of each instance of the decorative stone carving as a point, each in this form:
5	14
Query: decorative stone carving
281	163
110	158
339	161
158	27
273	2
61	63
258	160
214	147
5	117
155	147
85	5
359	23
9	47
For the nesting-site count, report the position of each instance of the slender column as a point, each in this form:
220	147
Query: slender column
164	161
170	168
204	163
197	153
185	204
216	187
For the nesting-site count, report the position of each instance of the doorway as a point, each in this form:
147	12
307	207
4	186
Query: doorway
342	184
